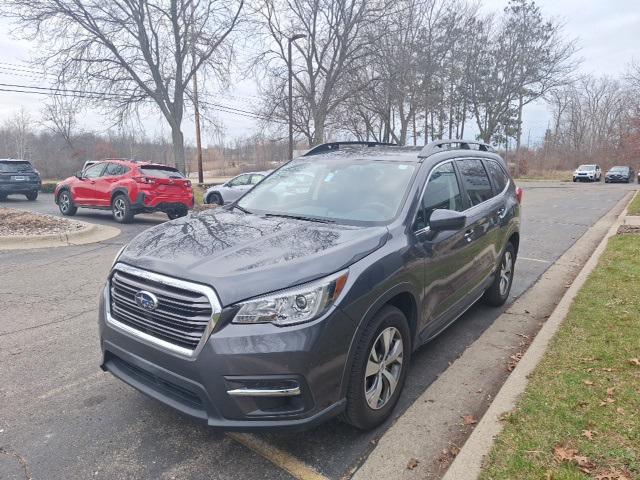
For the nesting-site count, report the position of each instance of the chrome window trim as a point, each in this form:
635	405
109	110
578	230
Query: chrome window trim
424	189
211	295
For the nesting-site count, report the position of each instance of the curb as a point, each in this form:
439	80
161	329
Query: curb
468	462
90	233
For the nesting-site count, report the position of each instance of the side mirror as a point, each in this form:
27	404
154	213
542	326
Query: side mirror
442	220
78	175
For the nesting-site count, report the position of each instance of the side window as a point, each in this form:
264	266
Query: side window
256	179
94	171
497	174
240	180
475	180
442	191
112	170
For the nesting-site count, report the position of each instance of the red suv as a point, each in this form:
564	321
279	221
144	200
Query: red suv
126	188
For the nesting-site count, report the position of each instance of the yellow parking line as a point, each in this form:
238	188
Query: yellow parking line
279	458
70	386
534	259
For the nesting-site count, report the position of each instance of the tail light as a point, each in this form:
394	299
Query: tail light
519	193
144	180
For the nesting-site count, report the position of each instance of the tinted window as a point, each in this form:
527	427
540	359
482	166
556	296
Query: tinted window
475	181
442	191
498	176
158	171
256	179
240	180
94	171
15	166
113	170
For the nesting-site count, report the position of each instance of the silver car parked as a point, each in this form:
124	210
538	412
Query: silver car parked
233	189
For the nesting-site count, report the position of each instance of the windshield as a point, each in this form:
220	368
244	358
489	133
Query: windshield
619	169
587	167
344	190
15	166
161	172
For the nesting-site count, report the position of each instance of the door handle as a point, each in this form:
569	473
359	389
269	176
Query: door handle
468	235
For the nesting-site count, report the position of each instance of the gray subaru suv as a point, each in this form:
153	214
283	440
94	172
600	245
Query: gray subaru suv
284	310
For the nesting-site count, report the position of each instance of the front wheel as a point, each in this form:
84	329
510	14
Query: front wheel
215	198
499	290
121	209
65	204
379	369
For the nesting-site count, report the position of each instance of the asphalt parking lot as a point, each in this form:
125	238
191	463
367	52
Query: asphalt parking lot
61	417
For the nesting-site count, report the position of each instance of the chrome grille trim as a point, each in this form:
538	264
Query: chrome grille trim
181	316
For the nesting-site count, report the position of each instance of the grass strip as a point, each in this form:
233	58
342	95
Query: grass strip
579	417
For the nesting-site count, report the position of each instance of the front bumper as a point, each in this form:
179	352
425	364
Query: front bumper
617	179
310	356
20	187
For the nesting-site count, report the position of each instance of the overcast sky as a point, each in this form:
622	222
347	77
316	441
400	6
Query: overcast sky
608	34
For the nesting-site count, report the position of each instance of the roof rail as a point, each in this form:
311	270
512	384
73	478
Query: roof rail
333	146
440	145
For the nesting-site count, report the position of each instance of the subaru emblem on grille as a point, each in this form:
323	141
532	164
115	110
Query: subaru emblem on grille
146	300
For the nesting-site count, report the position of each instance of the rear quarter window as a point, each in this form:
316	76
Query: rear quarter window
497	174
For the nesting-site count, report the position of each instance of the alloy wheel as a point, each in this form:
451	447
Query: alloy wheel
119	207
65	201
384	367
505	272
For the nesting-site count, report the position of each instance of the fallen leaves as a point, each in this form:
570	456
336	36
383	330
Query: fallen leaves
469	420
588	434
413	463
513	361
635	361
588	383
570	455
614	474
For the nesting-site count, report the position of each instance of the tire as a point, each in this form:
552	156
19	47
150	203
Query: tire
31	196
177	213
215	198
575	180
498	292
65	203
3	197
121	209
359	411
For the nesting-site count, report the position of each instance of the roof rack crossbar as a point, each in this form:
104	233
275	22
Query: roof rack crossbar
333	146
440	145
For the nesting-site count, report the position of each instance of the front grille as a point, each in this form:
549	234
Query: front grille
181	317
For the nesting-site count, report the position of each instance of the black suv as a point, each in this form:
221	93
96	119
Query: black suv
18	176
305	298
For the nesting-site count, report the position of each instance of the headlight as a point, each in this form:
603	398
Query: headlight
118	255
294	305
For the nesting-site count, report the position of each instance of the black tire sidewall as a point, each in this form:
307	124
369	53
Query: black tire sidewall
492	295
358	413
72	208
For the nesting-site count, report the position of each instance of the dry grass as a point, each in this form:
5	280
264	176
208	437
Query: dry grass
19	222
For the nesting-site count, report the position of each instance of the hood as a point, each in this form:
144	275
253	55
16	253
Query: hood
243	255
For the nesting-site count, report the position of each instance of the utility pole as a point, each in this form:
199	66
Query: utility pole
290	40
197	119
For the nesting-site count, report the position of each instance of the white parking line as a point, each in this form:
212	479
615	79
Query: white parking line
533	260
279	458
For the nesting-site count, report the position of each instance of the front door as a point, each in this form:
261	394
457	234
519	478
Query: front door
84	192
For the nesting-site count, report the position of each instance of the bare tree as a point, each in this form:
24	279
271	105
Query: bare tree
126	52
19	132
332	53
59	115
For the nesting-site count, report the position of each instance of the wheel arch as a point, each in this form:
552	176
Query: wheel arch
400	296
514	239
119	191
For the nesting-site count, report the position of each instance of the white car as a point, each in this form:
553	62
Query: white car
233	189
587	173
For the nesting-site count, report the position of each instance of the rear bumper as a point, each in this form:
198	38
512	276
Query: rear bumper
19	187
162	203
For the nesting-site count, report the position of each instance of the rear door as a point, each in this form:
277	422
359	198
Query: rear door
104	183
481	230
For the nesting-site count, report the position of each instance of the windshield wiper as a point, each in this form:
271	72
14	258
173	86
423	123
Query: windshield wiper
243	210
300	217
